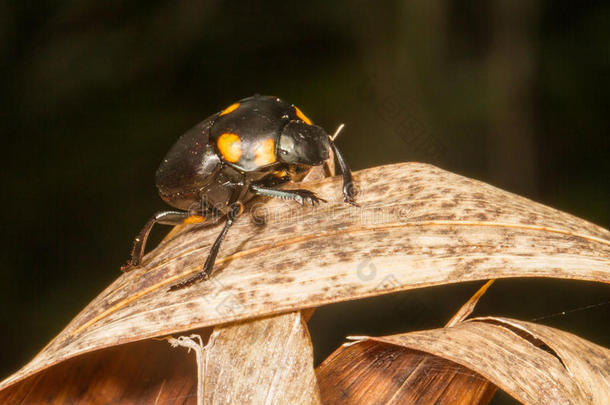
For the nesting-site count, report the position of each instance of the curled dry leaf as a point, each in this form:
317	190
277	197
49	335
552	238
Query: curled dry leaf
143	372
535	364
371	372
417	226
268	360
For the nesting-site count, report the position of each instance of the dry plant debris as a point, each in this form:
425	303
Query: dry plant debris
417	226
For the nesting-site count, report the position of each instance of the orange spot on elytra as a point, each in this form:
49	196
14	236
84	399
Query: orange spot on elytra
229	109
229	146
193	219
265	153
302	116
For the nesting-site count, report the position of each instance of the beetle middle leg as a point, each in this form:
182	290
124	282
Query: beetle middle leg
300	195
161	217
208	267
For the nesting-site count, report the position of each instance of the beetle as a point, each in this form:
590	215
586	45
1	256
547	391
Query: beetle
248	149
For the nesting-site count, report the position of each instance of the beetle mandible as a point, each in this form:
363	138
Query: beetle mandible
246	150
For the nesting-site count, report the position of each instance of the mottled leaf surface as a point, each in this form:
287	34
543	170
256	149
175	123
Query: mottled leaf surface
268	361
536	364
417	226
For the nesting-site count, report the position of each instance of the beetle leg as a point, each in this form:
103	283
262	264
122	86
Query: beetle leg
301	196
349	192
236	210
161	217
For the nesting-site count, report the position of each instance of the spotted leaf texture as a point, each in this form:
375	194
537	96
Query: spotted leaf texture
417	225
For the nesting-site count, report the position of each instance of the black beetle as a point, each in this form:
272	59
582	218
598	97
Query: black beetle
248	149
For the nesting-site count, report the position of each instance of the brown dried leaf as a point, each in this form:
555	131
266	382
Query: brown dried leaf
144	372
418	226
535	364
371	372
265	360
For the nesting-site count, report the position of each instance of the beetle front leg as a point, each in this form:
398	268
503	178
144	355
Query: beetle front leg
349	192
161	217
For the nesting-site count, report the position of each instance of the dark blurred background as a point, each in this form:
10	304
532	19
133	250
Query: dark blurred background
514	93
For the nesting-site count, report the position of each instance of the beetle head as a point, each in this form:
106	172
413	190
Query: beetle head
301	143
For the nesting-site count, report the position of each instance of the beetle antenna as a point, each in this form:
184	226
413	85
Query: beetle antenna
336	134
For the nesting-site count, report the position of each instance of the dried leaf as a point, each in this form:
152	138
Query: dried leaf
266	361
371	372
418	226
535	364
469	305
145	372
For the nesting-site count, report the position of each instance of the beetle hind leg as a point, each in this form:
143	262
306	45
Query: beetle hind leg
161	217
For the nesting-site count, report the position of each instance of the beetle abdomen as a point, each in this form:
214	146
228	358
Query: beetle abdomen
189	166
